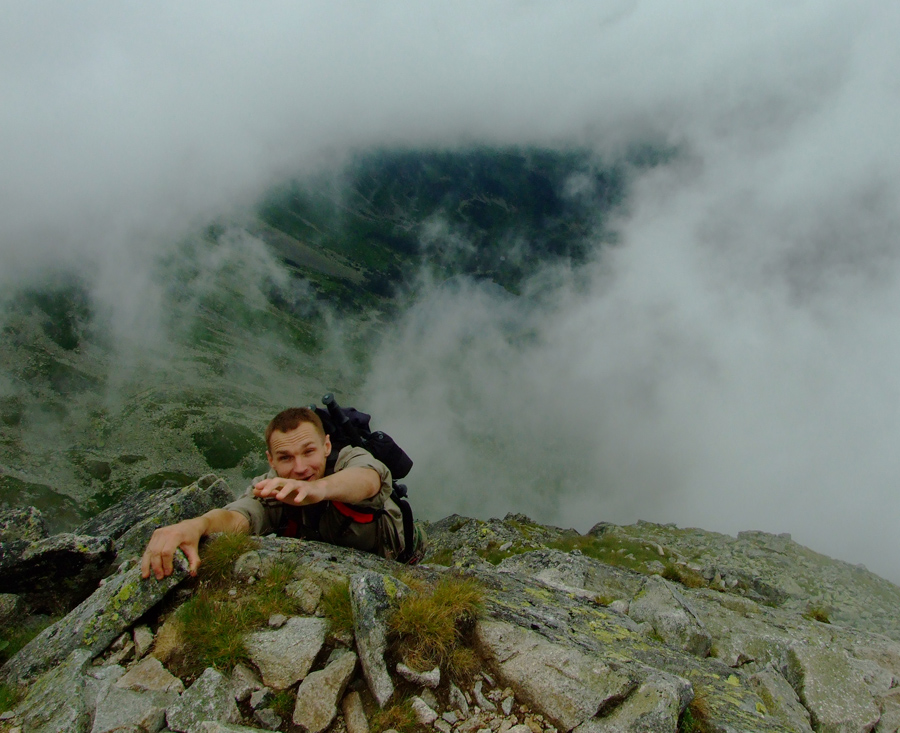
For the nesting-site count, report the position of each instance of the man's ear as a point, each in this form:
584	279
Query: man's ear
327	446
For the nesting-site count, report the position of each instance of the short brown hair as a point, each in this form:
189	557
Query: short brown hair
291	418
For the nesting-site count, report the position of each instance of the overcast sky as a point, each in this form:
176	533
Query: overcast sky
733	365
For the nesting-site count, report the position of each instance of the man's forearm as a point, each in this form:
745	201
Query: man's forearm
221	520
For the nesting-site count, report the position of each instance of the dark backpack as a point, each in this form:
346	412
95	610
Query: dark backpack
348	426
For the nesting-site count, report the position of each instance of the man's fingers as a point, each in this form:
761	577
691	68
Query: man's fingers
190	552
145	565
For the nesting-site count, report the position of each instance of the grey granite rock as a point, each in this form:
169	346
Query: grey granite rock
244	682
120	709
373	596
143	640
213	726
131	522
110	610
97	681
55	703
354	713
423	711
320	692
23	525
284	656
12	607
149	675
458	701
654	707
267	718
209	698
431	678
837	699
307	592
567	686
780	699
671	616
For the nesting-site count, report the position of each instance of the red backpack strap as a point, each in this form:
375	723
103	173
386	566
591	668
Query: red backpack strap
363	517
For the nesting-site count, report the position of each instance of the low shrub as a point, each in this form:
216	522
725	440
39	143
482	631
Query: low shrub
337	608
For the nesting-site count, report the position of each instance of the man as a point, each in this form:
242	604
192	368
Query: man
301	495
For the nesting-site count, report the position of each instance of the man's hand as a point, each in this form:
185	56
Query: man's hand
287	490
165	540
186	535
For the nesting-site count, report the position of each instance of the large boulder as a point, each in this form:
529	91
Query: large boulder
55	572
671	616
93	625
209	698
567	686
55	702
284	656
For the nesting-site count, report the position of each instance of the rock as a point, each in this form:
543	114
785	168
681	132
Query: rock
480	700
211	726
143	640
149	675
55	703
307	592
372	597
268	718
12	607
97	681
247	567
23	525
61	570
354	714
134	519
244	681
209	698
837	699
567	686
319	693
260	697
425	679
120	709
424	714
654	707
94	623
284	656
671	616
277	620
780	699
458	701
442	726
507	705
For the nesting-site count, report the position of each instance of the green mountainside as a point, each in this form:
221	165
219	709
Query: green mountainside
256	312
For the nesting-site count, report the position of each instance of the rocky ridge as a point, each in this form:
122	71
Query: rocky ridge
640	628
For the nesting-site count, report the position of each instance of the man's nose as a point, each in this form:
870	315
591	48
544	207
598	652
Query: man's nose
299	465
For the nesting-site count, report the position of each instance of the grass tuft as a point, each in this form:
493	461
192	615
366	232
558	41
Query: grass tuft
337	608
818	613
9	697
696	716
399	717
283	702
430	624
219	554
684	575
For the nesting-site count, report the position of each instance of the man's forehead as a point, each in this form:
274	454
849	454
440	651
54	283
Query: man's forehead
301	436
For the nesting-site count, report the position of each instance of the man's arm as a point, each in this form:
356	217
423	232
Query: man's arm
350	485
186	535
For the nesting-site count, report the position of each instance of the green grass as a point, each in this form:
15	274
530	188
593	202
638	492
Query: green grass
431	623
13	638
9	697
695	718
283	702
399	717
337	608
219	554
210	627
817	613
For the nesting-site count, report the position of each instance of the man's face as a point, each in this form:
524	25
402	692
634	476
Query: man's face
300	453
